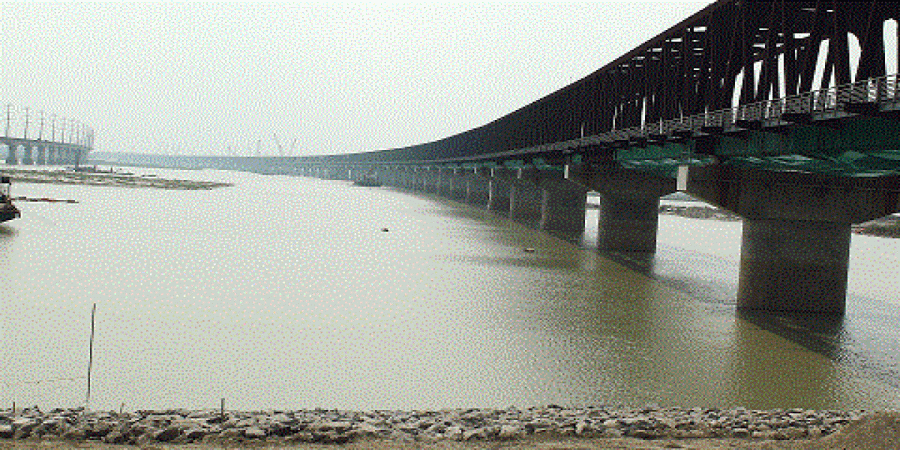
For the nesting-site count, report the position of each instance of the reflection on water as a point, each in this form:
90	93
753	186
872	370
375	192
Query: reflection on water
285	292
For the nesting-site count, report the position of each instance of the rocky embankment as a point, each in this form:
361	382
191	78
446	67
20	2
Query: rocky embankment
332	426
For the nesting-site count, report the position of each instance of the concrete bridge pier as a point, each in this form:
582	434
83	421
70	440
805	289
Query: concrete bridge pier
27	159
391	176
628	218
12	154
796	238
342	173
627	223
478	187
411	179
41	155
562	206
429	179
525	201
498	191
406	177
560	202
794	265
444	182
457	185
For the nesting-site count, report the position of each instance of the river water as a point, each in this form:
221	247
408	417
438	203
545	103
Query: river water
284	293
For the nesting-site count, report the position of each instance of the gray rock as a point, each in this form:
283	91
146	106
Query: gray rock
478	433
582	428
454	433
510	431
254	433
167	434
194	434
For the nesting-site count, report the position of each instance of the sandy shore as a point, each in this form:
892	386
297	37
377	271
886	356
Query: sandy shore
116	179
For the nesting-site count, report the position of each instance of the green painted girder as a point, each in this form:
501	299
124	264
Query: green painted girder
848	164
541	164
514	164
863	147
651	152
863	135
666	167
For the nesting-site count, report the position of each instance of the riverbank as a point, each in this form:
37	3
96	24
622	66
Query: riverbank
888	227
101	178
470	428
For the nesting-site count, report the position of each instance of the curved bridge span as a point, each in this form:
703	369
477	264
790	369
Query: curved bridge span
786	113
33	137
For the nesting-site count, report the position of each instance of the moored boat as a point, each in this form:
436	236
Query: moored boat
8	211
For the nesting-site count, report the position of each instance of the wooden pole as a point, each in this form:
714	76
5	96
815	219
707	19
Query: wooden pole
90	357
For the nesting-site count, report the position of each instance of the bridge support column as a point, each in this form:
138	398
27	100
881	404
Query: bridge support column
444	182
386	175
431	180
796	239
525	202
417	180
562	206
629	205
395	179
458	185
627	223
41	155
797	265
498	193
477	189
26	155
11	156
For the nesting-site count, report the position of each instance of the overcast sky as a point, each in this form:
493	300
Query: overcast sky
215	78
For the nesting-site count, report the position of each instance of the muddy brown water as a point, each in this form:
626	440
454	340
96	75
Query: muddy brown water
285	293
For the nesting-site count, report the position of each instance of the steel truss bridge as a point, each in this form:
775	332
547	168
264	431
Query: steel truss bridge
784	112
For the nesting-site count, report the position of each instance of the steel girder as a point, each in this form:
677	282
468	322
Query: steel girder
733	52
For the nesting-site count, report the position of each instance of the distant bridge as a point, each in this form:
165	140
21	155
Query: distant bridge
44	138
760	107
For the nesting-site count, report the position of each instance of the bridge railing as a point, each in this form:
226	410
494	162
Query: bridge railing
833	100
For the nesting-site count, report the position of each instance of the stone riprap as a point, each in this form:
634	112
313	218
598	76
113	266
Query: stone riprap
333	426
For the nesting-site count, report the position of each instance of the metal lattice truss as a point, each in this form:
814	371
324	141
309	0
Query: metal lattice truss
736	62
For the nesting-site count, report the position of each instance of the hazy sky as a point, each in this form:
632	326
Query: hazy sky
204	78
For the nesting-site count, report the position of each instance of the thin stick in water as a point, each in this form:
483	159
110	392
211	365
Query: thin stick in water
87	400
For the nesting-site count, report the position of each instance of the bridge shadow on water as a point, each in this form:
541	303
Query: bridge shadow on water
711	281
820	333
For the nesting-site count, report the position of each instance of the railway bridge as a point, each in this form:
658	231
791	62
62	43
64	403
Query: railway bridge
44	138
784	112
